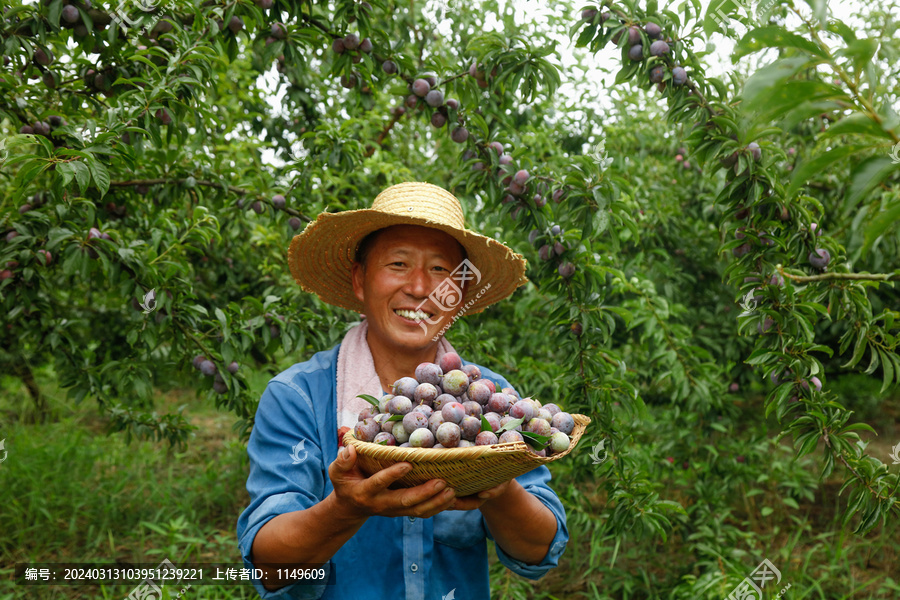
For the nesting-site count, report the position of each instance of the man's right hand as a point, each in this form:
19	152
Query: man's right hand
365	497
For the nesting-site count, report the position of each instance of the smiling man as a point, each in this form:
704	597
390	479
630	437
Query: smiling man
395	263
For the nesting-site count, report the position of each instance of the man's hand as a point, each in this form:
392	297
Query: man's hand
478	500
365	497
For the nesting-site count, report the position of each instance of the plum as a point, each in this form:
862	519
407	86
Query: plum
453	412
510	436
544	414
404	445
464	443
493	420
450	361
499	403
679	76
564	422
816	383
405	386
588	14
424	409
366	46
399	405
545	252
278	201
388	66
559	442
421	438
566	270
490	384
634	36
538	426
434	98
438	120
521	177
472	371
522	410
470	426
413	420
765	326
455	382
448	435
472	408
425	393
383	403
486	438
777	280
295	223
511	392
496	147
235	24
385	438
429	373
367	413
819	258
399	432
657	73
435	421
755	151
198	360
636	52
366	431
653	30
459	134
70	14
441	400
420	88
659	47
208	368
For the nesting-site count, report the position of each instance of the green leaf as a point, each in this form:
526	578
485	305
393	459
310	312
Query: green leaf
100	175
764	80
82	175
535	440
766	511
817	166
856	123
774	37
370	399
510	425
866	176
485	425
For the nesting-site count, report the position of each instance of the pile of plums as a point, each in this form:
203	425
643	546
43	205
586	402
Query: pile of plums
449	405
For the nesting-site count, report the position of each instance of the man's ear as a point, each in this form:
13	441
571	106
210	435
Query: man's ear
357	276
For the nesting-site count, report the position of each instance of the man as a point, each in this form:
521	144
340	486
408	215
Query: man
311	506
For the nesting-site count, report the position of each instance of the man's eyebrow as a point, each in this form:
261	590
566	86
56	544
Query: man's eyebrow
400	251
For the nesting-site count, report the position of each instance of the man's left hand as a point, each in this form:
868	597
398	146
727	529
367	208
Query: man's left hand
474	501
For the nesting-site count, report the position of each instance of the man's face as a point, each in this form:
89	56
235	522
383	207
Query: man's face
405	264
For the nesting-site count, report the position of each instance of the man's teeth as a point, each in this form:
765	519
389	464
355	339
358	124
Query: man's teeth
416	315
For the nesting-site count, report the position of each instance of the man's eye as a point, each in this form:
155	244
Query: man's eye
399	264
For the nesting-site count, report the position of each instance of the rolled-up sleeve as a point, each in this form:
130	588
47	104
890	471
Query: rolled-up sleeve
535	482
286	472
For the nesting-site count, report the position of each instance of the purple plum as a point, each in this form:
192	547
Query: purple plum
473	409
365	431
384	438
448	435
455	382
425	393
429	373
486	438
470	426
405	386
564	422
414	420
510	436
399	405
493	419
421	438
453	412
479	392
450	362
472	371
522	410
499	403
441	400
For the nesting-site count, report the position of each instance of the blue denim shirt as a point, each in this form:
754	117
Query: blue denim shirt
403	558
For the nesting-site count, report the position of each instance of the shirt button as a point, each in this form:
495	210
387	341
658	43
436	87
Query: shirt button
413	567
412	519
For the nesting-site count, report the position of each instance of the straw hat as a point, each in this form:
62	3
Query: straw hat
320	258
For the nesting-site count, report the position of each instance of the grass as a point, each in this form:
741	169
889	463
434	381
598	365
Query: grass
73	494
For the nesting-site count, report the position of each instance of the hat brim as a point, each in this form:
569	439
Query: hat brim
320	258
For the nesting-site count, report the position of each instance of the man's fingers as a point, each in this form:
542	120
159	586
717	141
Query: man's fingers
385	477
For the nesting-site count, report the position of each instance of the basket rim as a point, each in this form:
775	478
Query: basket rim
439	455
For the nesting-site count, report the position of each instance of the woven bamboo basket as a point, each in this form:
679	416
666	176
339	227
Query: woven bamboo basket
466	470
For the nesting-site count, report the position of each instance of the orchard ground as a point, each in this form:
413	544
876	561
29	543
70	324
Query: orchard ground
74	494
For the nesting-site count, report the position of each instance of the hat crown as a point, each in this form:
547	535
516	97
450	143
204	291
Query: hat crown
421	201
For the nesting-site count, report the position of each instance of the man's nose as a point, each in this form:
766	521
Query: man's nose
419	284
